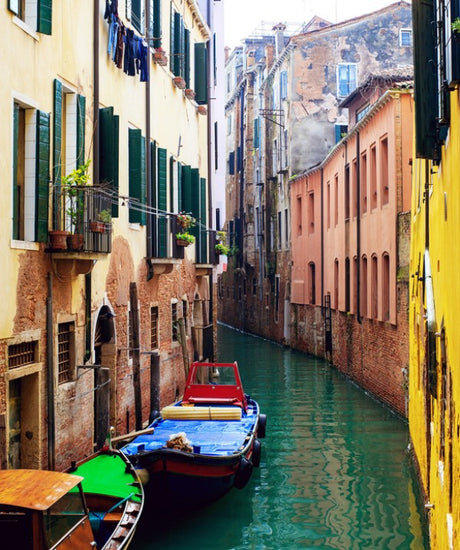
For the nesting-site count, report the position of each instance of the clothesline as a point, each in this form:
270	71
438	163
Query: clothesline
127	50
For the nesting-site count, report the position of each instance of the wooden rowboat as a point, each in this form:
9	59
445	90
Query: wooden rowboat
203	445
43	510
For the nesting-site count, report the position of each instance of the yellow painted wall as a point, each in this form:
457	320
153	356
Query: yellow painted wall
434	420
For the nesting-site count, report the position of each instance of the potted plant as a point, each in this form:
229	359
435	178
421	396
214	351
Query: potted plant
221	236
185	220
455	25
71	185
189	93
184	239
202	110
100	225
159	56
222	248
179	82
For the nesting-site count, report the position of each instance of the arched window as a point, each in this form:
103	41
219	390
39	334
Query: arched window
386	287
374	288
363	296
336	284
312	282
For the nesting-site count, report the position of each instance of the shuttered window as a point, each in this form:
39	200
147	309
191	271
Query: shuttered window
35	13
186	189
42	176
201	80
203	234
231	163
108	153
256	134
155	22
346	79
57	133
81	112
136	146
425	79
162	202
187	58
44	8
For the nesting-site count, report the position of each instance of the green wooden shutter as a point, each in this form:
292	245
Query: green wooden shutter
186	189
57	132
155	18
195	189
179	187
172	187
203	218
44	16
81	112
201	80
187	58
162	201
256	133
16	217
177	61
425	79
136	15
42	176
136	145
108	153
172	38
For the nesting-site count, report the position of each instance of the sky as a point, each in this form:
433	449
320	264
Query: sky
242	17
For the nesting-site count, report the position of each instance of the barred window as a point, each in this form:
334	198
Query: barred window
22	354
185	313
174	322
154	344
66	352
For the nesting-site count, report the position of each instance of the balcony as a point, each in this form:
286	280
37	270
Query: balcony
82	227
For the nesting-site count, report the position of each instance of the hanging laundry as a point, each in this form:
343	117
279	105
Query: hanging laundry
128	61
113	34
143	61
118	59
111	8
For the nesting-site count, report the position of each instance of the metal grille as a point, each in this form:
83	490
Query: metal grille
154	328
174	322
21	354
65	349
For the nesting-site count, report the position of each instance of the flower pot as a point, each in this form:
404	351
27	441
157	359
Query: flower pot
182	242
202	110
179	82
97	227
75	241
160	58
58	239
190	94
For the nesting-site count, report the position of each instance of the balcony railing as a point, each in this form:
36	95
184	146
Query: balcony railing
84	213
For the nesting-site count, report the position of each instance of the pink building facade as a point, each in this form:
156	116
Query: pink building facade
350	246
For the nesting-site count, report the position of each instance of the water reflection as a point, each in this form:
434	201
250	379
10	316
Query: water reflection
334	470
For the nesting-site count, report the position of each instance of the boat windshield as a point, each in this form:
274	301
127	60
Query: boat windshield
212	375
63	516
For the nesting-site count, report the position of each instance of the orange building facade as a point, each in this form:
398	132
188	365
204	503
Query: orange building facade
350	245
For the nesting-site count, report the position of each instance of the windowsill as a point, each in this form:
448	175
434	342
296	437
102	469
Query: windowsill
24	245
26	28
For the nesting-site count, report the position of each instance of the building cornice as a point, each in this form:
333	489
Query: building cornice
198	18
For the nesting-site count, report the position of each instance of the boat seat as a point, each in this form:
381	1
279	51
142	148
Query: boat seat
201	413
113	517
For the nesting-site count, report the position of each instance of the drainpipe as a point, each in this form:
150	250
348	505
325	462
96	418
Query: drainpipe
148	163
210	155
50	374
96	91
358	228
322	240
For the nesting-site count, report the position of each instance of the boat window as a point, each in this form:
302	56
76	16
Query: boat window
63	516
210	375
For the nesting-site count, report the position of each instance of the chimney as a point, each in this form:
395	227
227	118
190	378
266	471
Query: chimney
279	38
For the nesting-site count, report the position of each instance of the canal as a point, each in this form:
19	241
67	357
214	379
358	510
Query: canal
334	474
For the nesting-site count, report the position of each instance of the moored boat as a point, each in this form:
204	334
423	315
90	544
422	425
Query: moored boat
204	444
97	508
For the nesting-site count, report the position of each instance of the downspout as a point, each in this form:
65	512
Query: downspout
96	92
428	280
50	375
358	228
322	240
210	22
148	163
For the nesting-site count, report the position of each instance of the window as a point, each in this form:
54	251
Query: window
312	276
405	38
286	228
37	15
347	284
354	198
384	183
154	340
201	73
174	324
386	287
136	149
363	177
155	22
135	13
109	153
279	230
336	199
31	151
311	212
277	297
283	85
374	288
347	76
363	297
347	192
256	143
328	206
373	176
185	313
22	354
355	285
299	215
336	284
66	352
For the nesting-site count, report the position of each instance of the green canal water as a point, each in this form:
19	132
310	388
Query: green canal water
334	474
